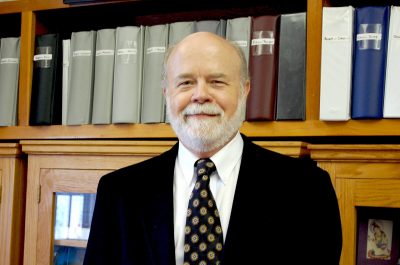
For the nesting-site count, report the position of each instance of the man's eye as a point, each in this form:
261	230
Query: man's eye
185	83
218	82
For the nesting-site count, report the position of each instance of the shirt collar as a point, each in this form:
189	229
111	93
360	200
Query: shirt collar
224	160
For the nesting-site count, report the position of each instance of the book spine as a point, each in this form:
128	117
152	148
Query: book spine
263	68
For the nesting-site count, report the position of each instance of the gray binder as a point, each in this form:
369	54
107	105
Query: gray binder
292	68
179	30
9	73
238	31
128	74
215	26
81	77
152	97
65	78
103	77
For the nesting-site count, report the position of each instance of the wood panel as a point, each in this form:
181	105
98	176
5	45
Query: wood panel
364	176
12	205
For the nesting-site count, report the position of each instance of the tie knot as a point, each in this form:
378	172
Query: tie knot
204	167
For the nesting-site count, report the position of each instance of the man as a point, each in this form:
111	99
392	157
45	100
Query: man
269	208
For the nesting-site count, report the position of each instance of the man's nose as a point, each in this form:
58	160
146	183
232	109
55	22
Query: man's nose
201	92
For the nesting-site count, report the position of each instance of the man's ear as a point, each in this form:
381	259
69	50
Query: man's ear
247	87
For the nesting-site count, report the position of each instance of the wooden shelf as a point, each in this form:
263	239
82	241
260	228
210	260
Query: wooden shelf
384	127
71	243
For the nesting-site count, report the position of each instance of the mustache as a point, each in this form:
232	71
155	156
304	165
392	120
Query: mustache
206	108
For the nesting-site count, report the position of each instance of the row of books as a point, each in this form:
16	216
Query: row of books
114	75
73	215
360	63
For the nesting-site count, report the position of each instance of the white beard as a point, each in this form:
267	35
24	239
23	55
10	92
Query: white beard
205	135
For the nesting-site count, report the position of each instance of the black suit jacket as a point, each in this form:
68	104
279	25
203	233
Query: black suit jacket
284	209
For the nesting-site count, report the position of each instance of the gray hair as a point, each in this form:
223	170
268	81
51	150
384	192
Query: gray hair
244	71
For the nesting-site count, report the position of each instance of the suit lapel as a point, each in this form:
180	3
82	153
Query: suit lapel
238	240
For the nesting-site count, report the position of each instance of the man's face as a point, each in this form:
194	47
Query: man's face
203	92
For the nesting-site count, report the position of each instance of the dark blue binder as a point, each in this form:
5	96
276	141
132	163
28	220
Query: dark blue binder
370	46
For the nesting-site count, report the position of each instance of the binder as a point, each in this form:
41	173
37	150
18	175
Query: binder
369	62
291	98
214	26
65	78
336	63
178	31
103	77
80	97
263	66
9	73
128	74
238	32
47	81
391	106
153	105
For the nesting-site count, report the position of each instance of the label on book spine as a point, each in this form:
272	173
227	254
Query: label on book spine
81	53
105	53
155	50
337	38
262	42
9	61
43	57
240	43
127	51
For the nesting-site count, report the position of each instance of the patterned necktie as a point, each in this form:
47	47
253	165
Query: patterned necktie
203	231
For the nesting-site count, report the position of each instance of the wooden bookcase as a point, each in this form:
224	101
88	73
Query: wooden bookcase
364	176
76	166
32	17
12	203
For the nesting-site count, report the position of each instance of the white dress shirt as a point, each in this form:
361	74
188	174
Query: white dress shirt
222	185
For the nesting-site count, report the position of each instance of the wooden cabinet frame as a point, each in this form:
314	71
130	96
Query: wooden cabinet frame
12	203
363	175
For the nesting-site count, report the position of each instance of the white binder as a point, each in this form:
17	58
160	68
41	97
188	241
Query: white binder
391	103
336	63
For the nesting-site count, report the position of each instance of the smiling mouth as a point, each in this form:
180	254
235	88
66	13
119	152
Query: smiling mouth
201	115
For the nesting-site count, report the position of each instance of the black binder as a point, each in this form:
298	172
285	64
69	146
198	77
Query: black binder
46	84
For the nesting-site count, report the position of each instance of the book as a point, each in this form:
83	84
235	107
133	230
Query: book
155	45
76	217
214	26
371	32
80	95
65	79
128	74
89	200
9	74
103	77
336	63
46	94
291	90
263	67
63	205
178	31
391	103
238	32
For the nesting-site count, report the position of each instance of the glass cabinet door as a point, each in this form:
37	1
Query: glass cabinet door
67	199
72	218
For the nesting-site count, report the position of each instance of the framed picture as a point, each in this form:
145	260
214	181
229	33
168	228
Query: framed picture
378	236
